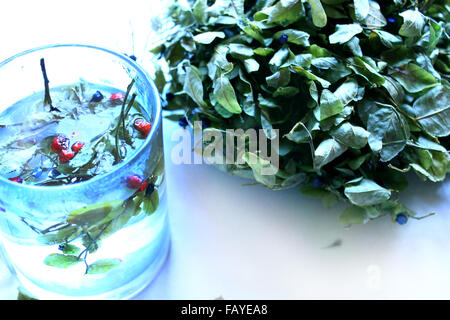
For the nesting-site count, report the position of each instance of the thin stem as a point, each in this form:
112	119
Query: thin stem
125	115
47	98
32	227
91	242
121	117
426	216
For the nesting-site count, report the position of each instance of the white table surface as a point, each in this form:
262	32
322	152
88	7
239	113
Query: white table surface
248	242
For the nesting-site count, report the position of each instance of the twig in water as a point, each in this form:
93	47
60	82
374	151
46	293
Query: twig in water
47	98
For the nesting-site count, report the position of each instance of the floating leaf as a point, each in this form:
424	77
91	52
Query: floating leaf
93	214
103	266
61	261
151	202
70	249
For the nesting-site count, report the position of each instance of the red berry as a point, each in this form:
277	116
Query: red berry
76	147
142	187
16	179
134	182
143	127
59	143
117	96
66	156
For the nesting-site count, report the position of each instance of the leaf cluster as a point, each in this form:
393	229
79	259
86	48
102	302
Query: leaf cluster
358	89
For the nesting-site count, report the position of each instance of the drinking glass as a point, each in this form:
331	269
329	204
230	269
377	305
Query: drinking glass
93	239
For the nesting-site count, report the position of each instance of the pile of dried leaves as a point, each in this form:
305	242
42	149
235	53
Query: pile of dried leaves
359	90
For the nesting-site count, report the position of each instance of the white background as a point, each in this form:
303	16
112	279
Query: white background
248	242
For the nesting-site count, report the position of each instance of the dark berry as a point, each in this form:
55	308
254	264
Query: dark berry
150	189
77	147
188	55
391	20
317	182
283	39
170	96
53	174
143	127
183	122
229	33
16	179
97	97
401	218
66	155
59	144
206	123
133	57
134	181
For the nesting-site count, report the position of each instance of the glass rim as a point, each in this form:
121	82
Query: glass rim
156	122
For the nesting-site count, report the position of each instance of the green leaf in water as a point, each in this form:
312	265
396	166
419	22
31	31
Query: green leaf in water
103	266
61	261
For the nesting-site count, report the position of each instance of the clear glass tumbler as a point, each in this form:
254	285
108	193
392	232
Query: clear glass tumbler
102	240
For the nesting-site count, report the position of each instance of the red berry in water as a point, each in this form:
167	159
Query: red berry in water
142	187
77	147
143	127
59	144
134	182
117	96
16	179
66	156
